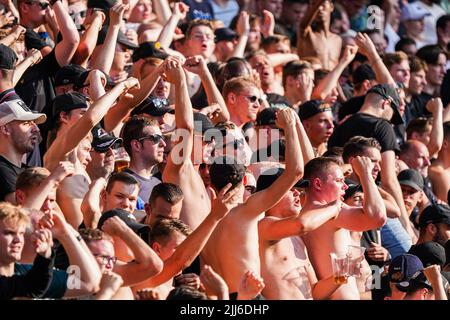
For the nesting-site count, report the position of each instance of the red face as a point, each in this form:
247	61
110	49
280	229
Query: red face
331	187
319	127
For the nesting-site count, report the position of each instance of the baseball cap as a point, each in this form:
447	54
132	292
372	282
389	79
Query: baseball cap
202	123
101	4
68	74
17	110
266	117
389	92
269	176
429	253
102	140
225	34
311	108
8	58
414	11
68	101
417	281
121	38
403	267
153	106
436	213
149	49
363	72
411	178
129	219
353	187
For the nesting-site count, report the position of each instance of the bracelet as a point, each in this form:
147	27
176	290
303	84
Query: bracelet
79	238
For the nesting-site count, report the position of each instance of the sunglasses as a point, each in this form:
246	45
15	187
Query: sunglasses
237	144
160	102
155	138
43	5
253	99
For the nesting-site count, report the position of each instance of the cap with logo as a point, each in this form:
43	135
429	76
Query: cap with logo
311	108
149	49
153	106
389	92
17	110
403	267
102	140
69	74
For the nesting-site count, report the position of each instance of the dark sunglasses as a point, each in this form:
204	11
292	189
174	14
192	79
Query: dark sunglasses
160	103
43	5
237	144
155	138
253	99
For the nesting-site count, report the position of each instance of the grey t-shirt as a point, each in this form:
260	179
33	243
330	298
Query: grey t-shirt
145	185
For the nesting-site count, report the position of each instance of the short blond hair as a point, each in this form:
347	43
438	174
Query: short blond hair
237	85
13	215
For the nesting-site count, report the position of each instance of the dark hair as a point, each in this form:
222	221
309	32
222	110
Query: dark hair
357	145
447	130
318	167
334	153
170	192
163	228
185	292
418	125
133	129
404	42
225	170
31	178
90	235
430	53
121	177
235	67
441	23
295	68
417	64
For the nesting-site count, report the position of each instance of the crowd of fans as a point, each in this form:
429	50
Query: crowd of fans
225	149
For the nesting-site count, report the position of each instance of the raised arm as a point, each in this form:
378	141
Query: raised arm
162	10
266	199
33	57
305	143
327	84
104	59
65	49
89	39
436	107
146	263
197	65
392	209
373	213
272	228
367	48
310	15
243	30
179	13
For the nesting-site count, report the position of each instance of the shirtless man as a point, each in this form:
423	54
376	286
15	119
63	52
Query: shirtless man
236	237
314	36
439	171
327	185
76	119
181	170
286	275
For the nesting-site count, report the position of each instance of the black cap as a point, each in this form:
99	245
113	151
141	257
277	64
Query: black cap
101	4
447	252
121	38
417	281
363	72
202	123
411	178
266	117
429	253
149	49
436	213
353	187
102	140
389	92
225	34
126	217
311	108
403	267
153	106
269	176
68	101
68	74
8	58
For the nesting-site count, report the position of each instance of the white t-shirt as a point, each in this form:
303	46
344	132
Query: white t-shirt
429	34
392	36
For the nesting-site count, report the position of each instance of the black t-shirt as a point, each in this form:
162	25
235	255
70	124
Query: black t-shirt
416	108
36	86
445	92
362	124
8	176
351	106
33	40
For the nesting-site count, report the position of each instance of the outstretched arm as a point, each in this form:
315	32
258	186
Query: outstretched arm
179	13
310	15
243	30
33	57
89	39
436	107
65	49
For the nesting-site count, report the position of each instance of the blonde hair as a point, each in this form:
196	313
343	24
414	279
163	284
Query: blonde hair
13	215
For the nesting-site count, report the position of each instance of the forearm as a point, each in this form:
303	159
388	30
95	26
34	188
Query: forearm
66	26
392	209
11	7
184	117
9	40
437	133
214	96
381	71
143	254
327	84
166	36
21	68
88	42
280	59
36	197
305	143
373	203
323	289
310	15
162	10
438	289
90	207
239	49
103	61
294	159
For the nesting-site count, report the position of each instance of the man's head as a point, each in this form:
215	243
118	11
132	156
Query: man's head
354	195
436	60
200	38
317	118
225	39
294	11
67	77
419	129
204	139
363	147
225	170
166	235
28	182
363	79
418	79
8	59
415	154
413	18
68	108
121	192
298	77
242	97
165	201
13	223
162	89
231	142
434	223
101	246
411	183
443	30
323	16
407	45
274	6
385	99
398	65
18	126
265	126
276	44
378	40
326	180
143	140
32	12
261	63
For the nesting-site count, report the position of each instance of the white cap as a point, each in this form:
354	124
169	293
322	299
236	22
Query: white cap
17	110
414	11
